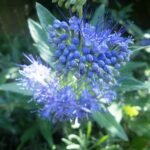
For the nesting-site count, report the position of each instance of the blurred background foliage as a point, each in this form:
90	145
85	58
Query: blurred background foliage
22	129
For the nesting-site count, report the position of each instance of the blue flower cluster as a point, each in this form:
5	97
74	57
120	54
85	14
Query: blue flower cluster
38	79
89	54
57	103
96	52
65	106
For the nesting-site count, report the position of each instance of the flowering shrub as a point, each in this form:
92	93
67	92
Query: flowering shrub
86	60
82	91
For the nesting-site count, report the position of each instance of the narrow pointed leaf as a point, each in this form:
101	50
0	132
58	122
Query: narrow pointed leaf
36	31
13	87
44	15
138	48
107	121
45	52
132	84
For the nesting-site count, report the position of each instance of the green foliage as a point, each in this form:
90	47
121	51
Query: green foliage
40	38
13	87
21	129
108	121
45	17
132	84
36	31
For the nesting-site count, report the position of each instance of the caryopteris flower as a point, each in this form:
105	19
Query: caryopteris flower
88	57
58	103
39	79
95	52
66	106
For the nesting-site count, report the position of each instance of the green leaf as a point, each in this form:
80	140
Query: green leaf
46	131
27	135
41	41
99	14
130	67
45	52
132	84
138	48
106	120
141	125
36	31
140	142
13	87
102	140
7	125
134	29
89	129
127	81
45	17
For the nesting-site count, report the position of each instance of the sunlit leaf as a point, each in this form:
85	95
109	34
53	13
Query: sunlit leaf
138	48
36	31
45	17
132	84
14	87
106	120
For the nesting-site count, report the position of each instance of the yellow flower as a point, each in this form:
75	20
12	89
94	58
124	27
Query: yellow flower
131	111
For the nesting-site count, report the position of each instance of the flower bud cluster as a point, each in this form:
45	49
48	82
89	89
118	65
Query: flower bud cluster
85	50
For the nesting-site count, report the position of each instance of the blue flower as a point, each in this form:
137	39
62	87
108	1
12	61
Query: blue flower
57	102
62	107
39	79
65	106
104	93
102	49
87	105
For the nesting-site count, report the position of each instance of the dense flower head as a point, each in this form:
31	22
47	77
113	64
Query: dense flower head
65	106
95	52
38	79
58	103
61	106
87	104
